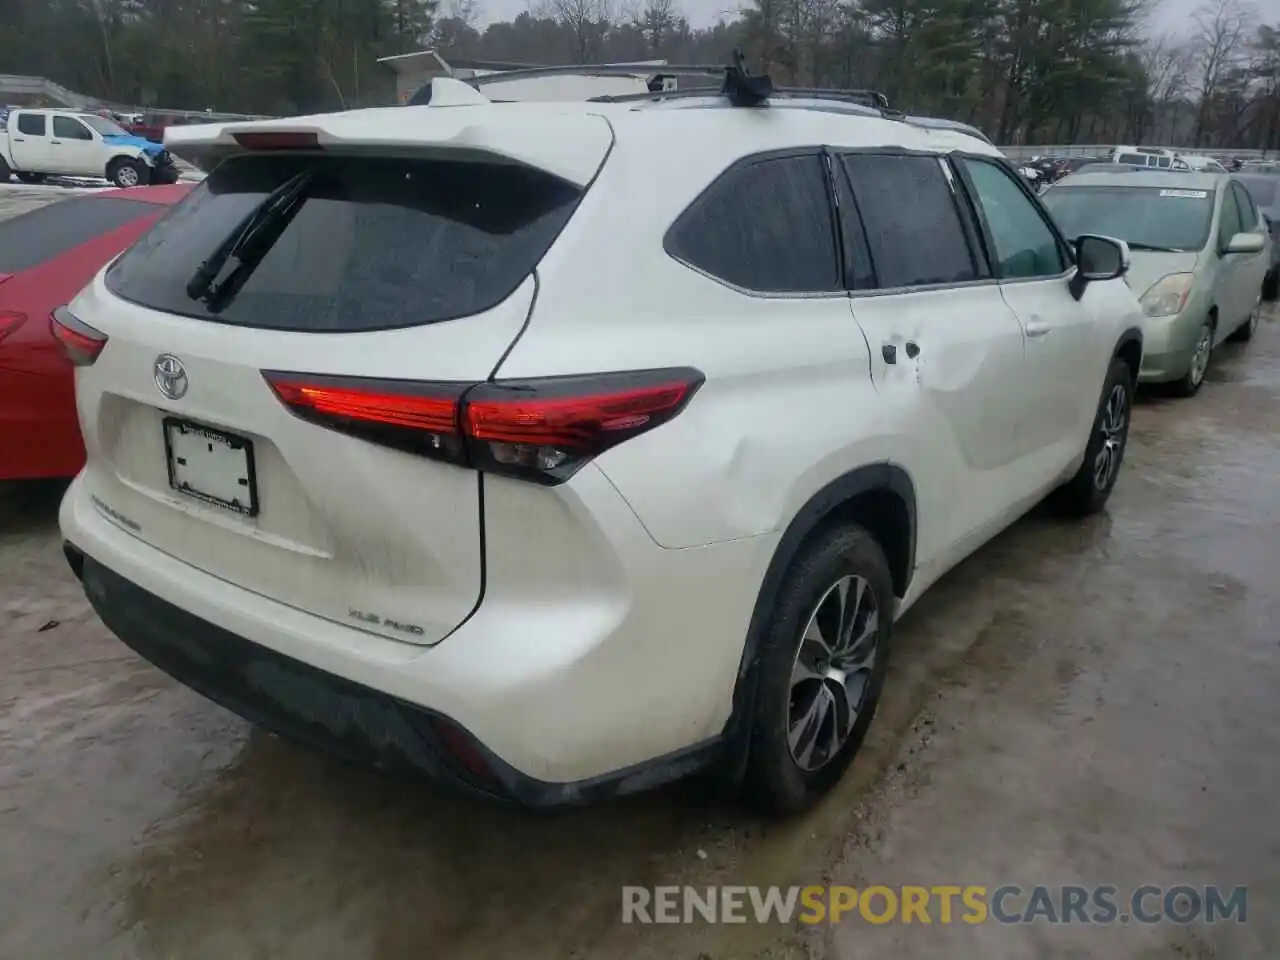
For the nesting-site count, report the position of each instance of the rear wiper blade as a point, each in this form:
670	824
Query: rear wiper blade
1137	245
245	242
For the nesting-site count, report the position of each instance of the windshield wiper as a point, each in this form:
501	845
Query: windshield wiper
1138	245
249	242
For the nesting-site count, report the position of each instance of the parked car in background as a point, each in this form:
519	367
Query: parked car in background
1157	157
351	477
1265	190
1201	164
35	144
1260	166
1200	256
46	256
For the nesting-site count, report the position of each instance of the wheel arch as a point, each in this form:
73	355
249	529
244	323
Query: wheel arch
119	157
881	497
1129	349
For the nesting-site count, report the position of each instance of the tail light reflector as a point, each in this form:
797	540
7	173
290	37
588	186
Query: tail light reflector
278	140
80	342
10	320
542	430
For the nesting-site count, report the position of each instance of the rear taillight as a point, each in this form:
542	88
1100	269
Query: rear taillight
546	429
79	341
415	417
542	430
10	320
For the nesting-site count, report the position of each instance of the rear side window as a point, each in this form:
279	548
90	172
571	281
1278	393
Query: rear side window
32	124
912	223
1134	158
29	240
377	243
765	226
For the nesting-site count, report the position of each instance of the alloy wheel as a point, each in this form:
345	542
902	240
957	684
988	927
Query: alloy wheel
1112	427
127	177
1200	356
831	673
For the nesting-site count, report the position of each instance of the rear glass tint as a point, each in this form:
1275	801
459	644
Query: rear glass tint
30	239
376	244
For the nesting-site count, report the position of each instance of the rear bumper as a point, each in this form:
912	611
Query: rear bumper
567	690
329	713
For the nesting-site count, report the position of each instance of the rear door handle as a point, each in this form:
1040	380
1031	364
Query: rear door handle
1038	329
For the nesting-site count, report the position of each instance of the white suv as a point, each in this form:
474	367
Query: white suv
561	449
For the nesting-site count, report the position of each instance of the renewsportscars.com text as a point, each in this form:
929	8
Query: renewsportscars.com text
938	903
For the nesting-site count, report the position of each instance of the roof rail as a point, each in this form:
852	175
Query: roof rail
864	98
598	70
742	88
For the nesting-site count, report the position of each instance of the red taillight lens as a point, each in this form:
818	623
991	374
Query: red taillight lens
80	342
415	417
542	430
278	140
10	320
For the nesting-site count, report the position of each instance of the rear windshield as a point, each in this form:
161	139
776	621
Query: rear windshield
1141	216
376	244
30	239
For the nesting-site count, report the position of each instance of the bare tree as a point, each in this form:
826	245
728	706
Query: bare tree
655	20
1218	44
465	12
586	20
1167	62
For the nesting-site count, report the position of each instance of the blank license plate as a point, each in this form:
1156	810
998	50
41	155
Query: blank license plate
211	465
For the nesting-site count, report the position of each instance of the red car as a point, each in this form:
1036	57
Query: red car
46	256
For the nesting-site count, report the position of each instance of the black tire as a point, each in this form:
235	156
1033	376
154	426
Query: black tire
1193	379
775	783
128	173
1271	286
1085	494
1244	332
4	170
26	177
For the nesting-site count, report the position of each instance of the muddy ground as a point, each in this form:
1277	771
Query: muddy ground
1076	704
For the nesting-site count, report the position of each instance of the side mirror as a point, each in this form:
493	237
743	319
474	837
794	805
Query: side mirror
1098	258
1246	243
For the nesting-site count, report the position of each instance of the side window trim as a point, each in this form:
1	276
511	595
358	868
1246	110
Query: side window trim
849	222
1230	207
1248	210
1064	247
670	246
980	249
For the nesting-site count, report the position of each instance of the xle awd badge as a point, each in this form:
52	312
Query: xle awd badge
171	376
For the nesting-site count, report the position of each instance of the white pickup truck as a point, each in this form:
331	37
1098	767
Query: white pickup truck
38	143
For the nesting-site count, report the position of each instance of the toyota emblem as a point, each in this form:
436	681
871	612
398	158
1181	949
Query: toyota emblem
171	376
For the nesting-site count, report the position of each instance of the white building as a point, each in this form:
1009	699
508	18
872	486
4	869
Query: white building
415	70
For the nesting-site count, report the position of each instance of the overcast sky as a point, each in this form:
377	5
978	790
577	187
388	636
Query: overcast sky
1168	15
